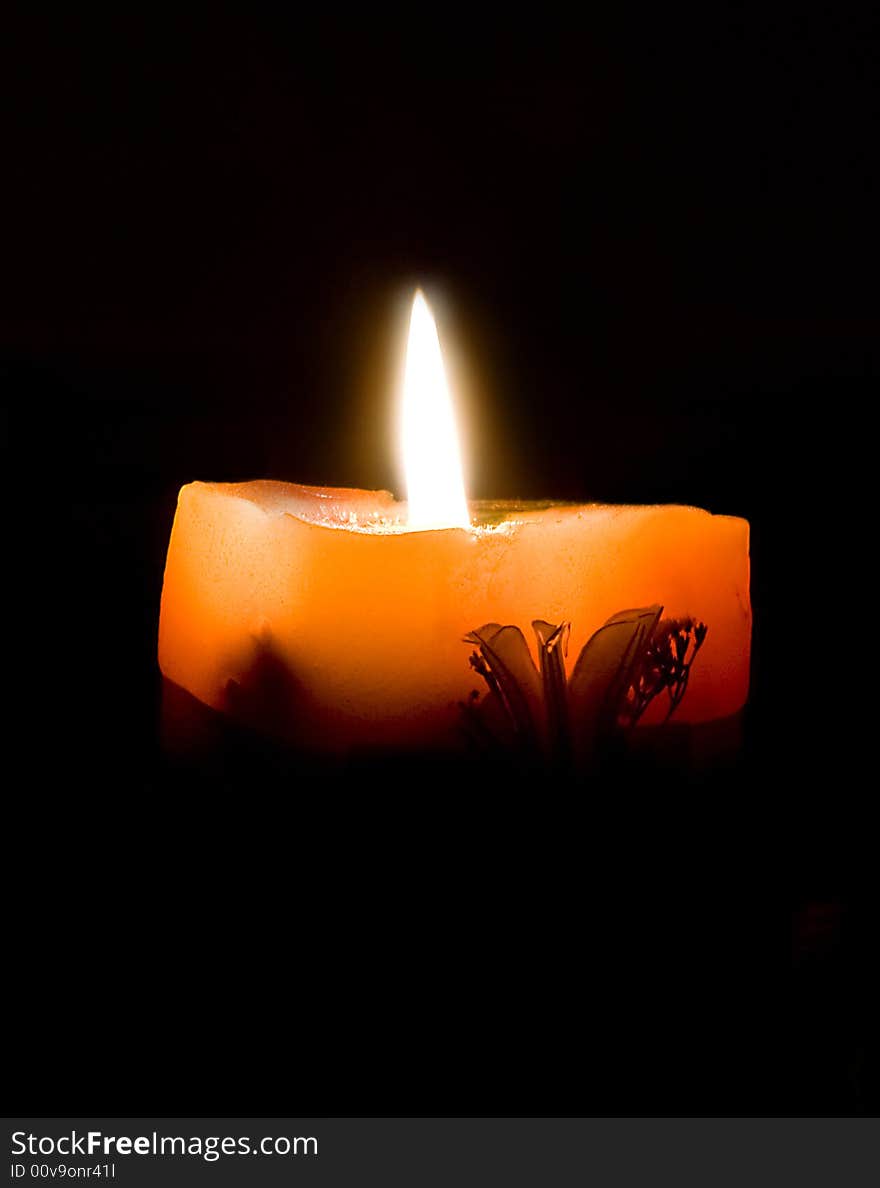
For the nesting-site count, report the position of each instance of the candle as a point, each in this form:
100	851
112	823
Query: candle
341	618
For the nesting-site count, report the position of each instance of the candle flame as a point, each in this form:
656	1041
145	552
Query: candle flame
431	457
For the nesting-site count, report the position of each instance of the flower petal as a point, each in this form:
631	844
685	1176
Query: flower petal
605	666
516	679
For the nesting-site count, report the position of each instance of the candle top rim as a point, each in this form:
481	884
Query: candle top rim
378	513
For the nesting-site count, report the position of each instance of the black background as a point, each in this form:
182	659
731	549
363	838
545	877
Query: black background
652	249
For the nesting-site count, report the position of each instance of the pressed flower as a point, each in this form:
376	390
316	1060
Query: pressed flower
622	668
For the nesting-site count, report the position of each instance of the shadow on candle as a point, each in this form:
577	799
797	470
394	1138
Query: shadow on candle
267	697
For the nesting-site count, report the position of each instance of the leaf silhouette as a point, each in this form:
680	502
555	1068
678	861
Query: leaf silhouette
514	678
552	649
605	668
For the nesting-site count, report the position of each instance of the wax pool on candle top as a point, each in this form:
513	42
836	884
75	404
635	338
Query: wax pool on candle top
316	615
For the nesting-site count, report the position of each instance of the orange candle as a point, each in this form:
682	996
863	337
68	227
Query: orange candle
336	619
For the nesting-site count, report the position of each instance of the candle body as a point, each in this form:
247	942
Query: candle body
296	610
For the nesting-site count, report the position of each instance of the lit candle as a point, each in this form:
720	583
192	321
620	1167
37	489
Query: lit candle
337	618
